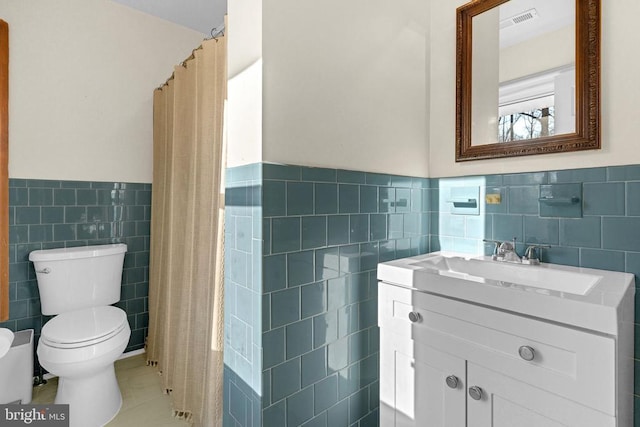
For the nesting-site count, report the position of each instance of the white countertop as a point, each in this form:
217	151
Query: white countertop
601	309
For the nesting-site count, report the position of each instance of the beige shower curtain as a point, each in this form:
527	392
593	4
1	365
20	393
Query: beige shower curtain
187	221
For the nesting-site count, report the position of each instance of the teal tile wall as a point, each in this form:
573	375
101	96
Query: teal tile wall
327	230
46	214
317	237
607	236
243	297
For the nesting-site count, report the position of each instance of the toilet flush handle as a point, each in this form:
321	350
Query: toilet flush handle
45	270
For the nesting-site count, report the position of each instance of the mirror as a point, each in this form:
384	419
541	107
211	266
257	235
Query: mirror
527	77
4	171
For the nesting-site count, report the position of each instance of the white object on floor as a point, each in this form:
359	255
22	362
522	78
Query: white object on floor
6	338
16	369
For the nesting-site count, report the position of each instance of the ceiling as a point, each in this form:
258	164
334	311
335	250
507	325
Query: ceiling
199	15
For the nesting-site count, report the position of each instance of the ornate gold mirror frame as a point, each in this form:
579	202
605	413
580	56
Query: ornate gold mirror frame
4	171
587	133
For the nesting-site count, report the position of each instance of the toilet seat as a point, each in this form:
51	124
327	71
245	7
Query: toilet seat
83	328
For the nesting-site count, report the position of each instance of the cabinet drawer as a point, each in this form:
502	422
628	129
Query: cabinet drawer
571	363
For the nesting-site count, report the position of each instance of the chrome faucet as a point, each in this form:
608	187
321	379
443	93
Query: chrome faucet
504	251
530	255
509	254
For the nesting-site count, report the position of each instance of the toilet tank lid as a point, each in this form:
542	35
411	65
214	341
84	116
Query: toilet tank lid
77	252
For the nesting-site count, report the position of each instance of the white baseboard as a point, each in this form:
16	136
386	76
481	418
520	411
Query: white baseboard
126	355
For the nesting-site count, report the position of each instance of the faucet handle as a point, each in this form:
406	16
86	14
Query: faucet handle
496	248
529	254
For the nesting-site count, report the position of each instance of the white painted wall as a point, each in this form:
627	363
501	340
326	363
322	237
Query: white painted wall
345	84
82	75
620	92
244	91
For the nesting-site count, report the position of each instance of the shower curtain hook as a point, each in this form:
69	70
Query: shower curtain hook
215	32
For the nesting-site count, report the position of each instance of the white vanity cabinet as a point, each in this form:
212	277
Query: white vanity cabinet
448	362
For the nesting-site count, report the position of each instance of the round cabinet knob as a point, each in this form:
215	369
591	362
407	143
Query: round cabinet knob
415	317
475	392
452	381
527	353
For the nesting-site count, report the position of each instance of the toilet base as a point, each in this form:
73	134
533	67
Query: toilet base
93	400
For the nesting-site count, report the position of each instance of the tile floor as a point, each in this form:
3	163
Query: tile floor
143	403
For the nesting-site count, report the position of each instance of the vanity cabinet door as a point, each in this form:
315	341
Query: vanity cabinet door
419	386
506	402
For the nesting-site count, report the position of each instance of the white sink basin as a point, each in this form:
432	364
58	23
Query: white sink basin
518	274
592	299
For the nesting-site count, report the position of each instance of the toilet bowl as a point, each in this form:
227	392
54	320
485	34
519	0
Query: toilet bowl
81	344
81	347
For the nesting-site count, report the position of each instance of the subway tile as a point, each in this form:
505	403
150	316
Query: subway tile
358	228
529	178
314	366
314	232
451	225
620	233
348	381
326	198
541	230
273	347
40	233
378	227
578	175
313	299
64	197
275	415
347	320
337	355
27	215
378	179
326	393
300	268
401	181
368	256
632	263
40	196
285	307
523	200
403	200
420	182
604	198
243	233
351	177
285	380
300	407
319	174
605	260
387	250
75	214
358	405
63	232
337	293
560	255
325	328
275	272
368	199
338	415
348	198
582	232
18	234
285	172
623	173
327	263
273	198
403	248
369	370
299	198
633	198
358	346
395	226
386	200
506	227
285	234
338	230
349	259
18	197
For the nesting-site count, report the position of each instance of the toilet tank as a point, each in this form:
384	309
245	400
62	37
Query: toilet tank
74	278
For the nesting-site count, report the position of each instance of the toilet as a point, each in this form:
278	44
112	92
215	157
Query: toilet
81	344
